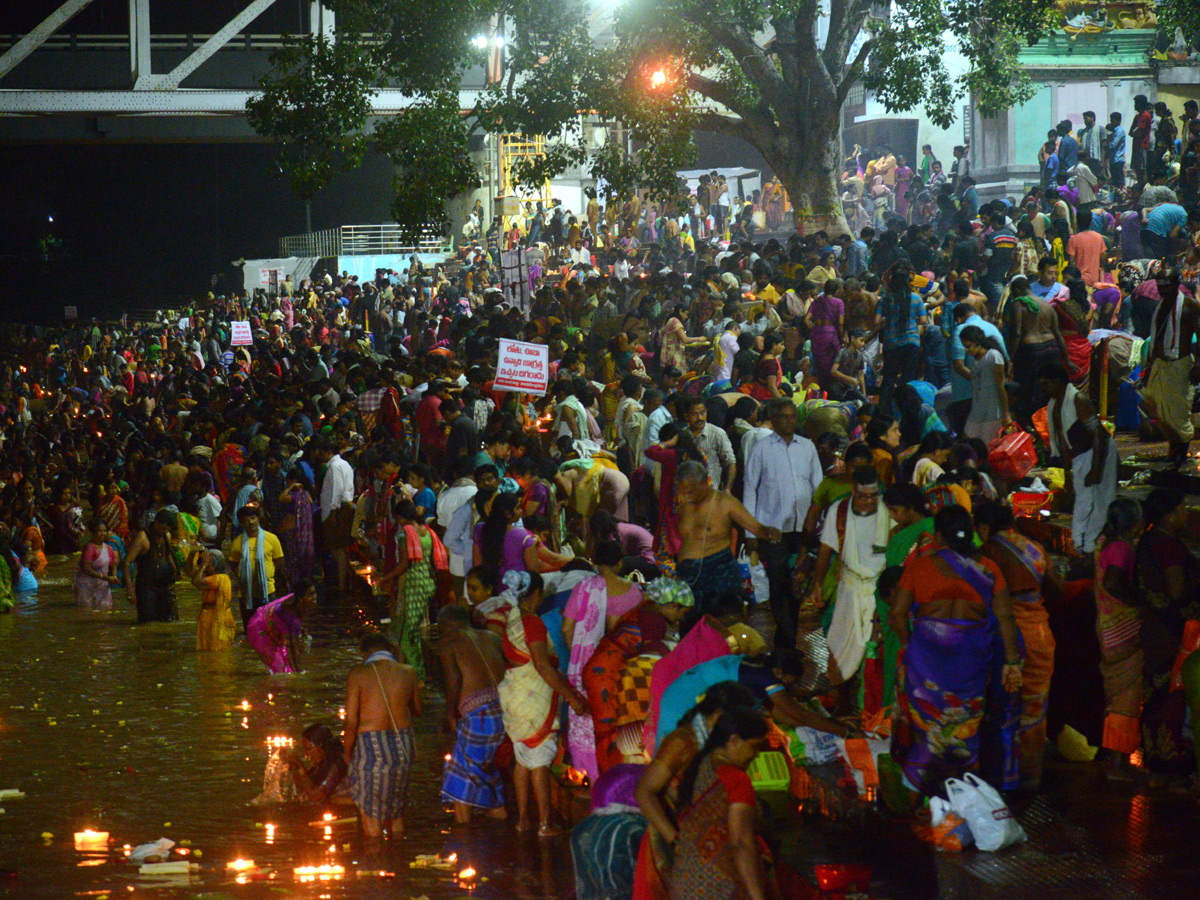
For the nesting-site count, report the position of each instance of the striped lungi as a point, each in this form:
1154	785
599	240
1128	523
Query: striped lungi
471	775
379	772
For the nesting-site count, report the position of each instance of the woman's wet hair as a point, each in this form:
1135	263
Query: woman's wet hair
996	516
607	553
488	576
954	526
1161	503
319	735
737	721
1123	514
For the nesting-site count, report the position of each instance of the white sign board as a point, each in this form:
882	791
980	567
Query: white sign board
264	275
523	367
242	336
514	278
70	312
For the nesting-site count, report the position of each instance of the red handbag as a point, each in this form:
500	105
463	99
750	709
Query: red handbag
1011	454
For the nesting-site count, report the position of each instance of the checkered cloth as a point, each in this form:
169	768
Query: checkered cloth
633	702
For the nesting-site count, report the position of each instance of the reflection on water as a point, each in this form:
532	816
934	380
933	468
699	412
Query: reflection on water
128	730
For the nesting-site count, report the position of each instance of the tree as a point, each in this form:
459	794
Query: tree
750	69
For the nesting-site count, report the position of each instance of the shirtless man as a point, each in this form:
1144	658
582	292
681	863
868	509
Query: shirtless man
173	474
1037	340
381	697
706	520
473	664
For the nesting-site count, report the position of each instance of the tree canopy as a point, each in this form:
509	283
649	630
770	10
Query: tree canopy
664	69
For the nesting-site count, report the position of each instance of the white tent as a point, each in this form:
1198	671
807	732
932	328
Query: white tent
742	182
256	273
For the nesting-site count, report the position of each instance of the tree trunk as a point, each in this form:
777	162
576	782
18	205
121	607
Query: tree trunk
809	170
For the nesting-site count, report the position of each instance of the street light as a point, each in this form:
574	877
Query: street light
658	78
479	41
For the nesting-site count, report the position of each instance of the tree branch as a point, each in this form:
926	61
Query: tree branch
726	125
846	20
852	71
802	31
786	51
718	92
758	67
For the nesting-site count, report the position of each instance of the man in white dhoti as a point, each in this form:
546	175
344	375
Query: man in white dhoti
1087	453
1171	371
856	529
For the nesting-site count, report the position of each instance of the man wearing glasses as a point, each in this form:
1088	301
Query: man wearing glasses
857	529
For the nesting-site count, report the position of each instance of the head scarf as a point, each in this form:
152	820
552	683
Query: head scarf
669	590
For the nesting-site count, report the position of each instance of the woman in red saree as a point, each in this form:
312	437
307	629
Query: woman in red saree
717	854
1074	313
657	789
113	511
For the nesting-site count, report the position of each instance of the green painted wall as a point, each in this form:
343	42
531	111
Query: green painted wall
1030	122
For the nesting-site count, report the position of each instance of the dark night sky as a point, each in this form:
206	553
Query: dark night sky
149	223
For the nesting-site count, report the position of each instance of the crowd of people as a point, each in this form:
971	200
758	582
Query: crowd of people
759	503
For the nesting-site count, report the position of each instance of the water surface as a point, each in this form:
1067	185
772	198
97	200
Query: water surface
129	730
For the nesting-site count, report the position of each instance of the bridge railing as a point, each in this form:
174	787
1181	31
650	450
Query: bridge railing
361	240
188	42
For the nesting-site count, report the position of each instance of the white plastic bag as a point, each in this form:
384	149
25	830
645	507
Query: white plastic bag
158	850
758	577
820	747
938	809
991	821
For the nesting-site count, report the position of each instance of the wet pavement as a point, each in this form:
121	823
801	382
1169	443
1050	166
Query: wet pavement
128	730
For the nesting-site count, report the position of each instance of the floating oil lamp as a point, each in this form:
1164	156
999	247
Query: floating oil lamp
319	873
466	878
88	841
240	865
245	704
270	833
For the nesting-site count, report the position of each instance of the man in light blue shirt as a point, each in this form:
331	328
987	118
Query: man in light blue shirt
1116	150
857	253
960	375
657	415
782	473
1163	223
1047	284
1068	150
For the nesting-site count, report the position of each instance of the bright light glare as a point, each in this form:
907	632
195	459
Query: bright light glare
658	78
479	41
498	41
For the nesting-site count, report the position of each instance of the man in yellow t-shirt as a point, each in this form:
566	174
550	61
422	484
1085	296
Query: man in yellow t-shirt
255	569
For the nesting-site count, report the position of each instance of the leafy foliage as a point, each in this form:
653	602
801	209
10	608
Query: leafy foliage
315	102
428	146
1182	14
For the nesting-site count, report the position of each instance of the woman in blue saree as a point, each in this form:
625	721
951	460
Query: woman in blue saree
961	663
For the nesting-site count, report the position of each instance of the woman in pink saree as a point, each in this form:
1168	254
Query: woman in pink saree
594	605
276	630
